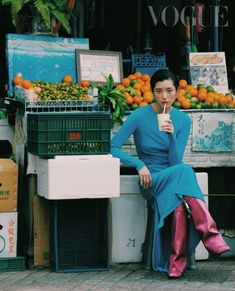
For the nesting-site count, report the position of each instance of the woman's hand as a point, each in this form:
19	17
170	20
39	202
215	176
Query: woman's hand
145	177
168	127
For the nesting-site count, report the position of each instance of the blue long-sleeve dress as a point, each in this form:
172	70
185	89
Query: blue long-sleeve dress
172	179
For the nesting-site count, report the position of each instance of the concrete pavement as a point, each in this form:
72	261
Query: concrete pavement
211	275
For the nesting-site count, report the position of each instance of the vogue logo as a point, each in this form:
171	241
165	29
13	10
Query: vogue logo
220	15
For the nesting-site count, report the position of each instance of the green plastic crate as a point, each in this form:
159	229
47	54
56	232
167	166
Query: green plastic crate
12	264
68	133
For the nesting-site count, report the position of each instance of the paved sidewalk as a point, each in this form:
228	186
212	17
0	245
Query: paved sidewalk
211	275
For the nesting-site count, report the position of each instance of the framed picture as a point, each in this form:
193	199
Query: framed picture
209	68
94	65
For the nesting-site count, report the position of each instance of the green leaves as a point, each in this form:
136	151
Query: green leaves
46	8
112	97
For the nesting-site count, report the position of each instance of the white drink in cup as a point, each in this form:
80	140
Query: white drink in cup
162	119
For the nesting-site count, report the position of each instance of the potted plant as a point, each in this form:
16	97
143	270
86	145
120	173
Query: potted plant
59	10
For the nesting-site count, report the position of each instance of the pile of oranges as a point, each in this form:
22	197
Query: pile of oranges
202	97
136	89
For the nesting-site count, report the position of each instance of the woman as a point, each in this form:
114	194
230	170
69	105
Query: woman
167	181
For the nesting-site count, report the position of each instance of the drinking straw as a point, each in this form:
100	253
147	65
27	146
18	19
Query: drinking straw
164	109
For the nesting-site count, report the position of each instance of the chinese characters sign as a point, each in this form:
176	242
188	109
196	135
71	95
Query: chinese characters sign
8	234
212	132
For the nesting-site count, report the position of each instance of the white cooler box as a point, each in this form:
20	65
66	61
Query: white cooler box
73	177
129	218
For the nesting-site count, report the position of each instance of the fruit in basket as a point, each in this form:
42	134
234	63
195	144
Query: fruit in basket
60	91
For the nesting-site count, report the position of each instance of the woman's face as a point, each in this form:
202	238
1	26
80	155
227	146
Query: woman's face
165	93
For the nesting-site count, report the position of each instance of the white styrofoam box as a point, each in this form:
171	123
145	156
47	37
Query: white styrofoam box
8	234
84	176
129	218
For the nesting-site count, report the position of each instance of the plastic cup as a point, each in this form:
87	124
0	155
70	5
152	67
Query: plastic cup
162	118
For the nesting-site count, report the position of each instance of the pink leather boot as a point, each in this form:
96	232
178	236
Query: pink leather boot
178	257
206	226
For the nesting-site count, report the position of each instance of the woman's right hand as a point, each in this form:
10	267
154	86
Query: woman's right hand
145	177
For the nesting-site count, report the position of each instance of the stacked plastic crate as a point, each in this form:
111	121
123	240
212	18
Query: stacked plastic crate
74	168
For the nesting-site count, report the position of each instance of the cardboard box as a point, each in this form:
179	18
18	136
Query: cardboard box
8	234
41	218
8	185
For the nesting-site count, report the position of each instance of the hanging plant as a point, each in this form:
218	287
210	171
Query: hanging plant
59	9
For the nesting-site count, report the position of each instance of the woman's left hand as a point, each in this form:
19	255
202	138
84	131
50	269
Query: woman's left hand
168	127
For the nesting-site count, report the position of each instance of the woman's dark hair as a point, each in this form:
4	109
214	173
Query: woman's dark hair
162	75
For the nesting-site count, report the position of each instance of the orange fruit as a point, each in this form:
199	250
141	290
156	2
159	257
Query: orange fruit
140	81
126	95
138	75
183	83
85	83
202	95
233	102
181	98
148	97
185	104
189	87
211	94
222	100
137	99
67	79
131	77
125	82
129	100
120	87
229	98
142	104
17	80
26	84
209	99
182	91
193	91
147	83
145	77
145	88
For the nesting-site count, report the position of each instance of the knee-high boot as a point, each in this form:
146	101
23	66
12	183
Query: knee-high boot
206	226
178	256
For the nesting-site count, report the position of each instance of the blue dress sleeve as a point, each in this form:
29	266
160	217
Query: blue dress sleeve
178	142
127	129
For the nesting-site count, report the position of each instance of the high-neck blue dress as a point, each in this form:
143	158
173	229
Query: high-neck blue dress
172	179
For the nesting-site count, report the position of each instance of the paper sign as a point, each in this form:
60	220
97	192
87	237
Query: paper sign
212	132
94	65
209	69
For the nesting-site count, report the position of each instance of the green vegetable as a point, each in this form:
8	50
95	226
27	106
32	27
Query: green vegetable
112	97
